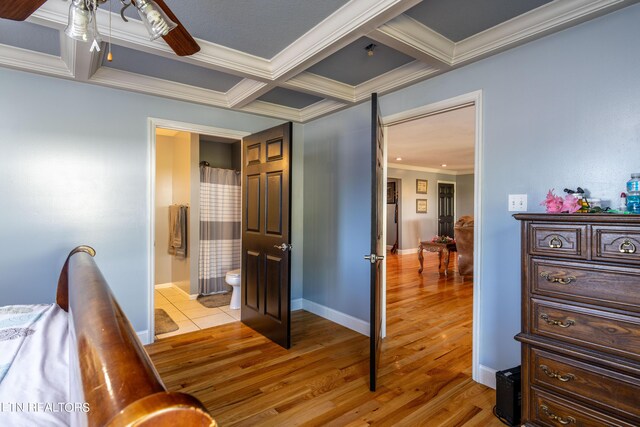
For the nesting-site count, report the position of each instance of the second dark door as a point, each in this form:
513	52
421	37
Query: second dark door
445	209
266	240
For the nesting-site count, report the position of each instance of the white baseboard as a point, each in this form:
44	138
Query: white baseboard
163	285
487	376
296	304
336	316
143	336
407	251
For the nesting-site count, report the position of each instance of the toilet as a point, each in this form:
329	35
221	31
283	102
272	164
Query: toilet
233	278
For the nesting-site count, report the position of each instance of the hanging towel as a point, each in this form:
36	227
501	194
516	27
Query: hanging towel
178	231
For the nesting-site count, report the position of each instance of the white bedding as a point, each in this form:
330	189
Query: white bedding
34	366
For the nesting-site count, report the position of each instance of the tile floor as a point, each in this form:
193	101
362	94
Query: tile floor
190	315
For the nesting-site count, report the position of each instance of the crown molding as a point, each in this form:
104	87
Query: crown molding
319	109
273	110
342	27
153	86
395	79
412	38
36	62
548	18
431	170
323	86
246	91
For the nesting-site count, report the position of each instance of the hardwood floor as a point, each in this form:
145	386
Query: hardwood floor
425	370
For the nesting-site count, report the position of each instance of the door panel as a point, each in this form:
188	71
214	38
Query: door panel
378	202
266	239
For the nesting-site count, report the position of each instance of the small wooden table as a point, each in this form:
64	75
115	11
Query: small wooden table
441	248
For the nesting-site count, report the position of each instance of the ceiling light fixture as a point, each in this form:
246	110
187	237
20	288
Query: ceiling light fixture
370	48
83	26
398	159
444	165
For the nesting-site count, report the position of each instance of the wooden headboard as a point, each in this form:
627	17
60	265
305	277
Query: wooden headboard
109	368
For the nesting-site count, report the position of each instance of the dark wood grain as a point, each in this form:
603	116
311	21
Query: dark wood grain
580	317
179	39
19	10
110	369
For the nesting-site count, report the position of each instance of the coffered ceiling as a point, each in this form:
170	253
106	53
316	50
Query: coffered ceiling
291	59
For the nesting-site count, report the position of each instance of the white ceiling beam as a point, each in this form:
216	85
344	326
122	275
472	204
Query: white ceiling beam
273	110
35	62
321	86
320	109
82	63
394	79
416	40
551	17
246	92
347	24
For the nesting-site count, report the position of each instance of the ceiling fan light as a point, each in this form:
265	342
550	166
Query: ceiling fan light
157	22
78	27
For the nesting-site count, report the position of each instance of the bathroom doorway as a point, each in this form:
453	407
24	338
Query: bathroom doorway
195	172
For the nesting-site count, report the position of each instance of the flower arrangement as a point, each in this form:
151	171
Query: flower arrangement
442	239
558	204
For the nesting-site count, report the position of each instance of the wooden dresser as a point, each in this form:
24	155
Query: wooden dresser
580	319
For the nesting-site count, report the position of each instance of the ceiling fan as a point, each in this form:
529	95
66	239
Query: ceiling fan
155	14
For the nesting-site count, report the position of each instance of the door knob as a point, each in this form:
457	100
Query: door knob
284	247
373	258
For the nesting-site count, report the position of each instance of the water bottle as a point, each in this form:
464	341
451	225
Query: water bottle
633	193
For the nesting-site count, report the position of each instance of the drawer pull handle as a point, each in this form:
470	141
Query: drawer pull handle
553	279
564	421
627	247
564	378
560	323
555	242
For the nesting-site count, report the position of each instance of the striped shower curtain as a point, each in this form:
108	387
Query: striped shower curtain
220	206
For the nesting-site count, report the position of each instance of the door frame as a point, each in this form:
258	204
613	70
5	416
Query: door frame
471	98
154	123
455	205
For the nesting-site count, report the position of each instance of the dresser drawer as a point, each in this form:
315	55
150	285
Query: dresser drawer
603	387
604	331
617	287
558	240
550	410
616	244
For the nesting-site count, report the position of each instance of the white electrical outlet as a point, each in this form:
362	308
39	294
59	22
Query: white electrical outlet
517	202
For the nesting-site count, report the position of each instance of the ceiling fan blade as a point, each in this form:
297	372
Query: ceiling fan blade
178	39
19	10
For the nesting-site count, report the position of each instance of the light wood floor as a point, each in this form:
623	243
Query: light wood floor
425	371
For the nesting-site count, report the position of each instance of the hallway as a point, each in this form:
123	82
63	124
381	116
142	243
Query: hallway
425	371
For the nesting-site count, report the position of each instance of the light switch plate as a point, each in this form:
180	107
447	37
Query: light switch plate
517	202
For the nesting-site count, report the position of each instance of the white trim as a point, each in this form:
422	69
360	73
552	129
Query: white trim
36	62
422	169
153	123
246	91
319	85
320	108
143	336
486	376
395	79
336	316
297	304
407	251
455	196
448	104
273	110
163	285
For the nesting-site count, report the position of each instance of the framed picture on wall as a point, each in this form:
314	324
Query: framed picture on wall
391	193
421	186
421	206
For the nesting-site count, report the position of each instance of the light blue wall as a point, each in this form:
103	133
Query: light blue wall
337	208
75	170
563	111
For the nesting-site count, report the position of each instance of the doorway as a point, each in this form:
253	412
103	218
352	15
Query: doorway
421	213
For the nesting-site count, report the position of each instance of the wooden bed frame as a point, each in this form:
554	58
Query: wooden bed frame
109	368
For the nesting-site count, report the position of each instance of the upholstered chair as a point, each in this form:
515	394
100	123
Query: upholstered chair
463	233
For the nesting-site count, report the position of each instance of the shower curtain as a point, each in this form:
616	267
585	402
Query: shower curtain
220	205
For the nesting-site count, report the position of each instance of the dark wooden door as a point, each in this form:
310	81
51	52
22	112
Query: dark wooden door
266	242
445	209
378	203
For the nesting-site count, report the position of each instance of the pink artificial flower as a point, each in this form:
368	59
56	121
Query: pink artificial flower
571	204
553	203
